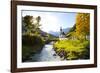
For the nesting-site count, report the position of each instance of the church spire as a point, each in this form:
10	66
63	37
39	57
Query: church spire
61	29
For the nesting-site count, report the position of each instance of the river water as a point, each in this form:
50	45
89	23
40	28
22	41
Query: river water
47	54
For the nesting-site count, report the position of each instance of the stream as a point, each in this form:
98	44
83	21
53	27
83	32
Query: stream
47	54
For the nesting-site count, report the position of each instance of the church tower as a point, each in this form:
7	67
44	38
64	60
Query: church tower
61	35
61	31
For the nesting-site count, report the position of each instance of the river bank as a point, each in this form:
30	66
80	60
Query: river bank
47	54
72	49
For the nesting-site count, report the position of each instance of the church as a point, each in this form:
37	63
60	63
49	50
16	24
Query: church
62	34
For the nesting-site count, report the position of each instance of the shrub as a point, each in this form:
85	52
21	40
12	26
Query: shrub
31	45
75	49
32	40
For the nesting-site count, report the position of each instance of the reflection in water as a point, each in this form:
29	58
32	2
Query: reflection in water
47	54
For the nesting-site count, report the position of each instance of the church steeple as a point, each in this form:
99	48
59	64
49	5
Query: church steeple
62	35
61	30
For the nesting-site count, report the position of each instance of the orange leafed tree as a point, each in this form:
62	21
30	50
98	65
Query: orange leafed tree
82	24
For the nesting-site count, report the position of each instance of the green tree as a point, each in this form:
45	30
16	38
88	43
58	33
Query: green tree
29	25
38	20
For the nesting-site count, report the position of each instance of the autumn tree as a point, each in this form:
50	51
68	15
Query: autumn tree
82	24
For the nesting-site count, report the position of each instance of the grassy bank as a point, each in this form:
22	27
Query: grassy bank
31	45
72	49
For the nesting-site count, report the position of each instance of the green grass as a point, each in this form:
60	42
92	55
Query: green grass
74	49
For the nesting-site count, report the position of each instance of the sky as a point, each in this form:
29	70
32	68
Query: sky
52	21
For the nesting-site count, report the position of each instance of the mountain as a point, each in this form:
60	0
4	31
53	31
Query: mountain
54	33
44	34
65	30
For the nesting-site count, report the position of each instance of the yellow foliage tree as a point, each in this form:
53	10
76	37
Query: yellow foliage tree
82	24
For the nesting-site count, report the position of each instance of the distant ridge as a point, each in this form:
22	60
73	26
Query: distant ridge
65	30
